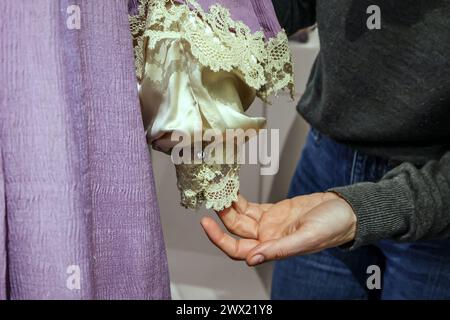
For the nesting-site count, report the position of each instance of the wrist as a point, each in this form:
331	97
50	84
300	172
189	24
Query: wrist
352	219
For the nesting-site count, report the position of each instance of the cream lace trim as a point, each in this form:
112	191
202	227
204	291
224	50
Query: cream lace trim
217	41
215	185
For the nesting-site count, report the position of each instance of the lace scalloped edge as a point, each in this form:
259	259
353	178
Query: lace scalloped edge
217	41
216	186
217	199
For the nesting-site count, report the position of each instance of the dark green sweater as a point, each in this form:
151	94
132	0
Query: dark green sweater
385	92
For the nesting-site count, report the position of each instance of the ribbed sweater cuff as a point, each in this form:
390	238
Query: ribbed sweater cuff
383	210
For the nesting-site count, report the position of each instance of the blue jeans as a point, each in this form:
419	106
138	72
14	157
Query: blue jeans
419	270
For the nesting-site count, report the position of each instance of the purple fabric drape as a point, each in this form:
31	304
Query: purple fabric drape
78	211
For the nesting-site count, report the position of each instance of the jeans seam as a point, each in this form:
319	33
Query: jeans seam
352	172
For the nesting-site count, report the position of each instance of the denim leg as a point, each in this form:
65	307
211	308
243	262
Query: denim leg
332	273
419	270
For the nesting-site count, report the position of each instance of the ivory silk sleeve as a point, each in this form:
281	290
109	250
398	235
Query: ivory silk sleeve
198	73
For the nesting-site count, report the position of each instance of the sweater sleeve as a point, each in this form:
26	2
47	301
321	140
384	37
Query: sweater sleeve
407	204
295	14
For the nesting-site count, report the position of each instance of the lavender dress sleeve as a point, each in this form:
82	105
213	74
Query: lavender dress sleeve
78	211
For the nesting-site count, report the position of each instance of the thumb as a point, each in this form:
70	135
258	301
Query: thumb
293	244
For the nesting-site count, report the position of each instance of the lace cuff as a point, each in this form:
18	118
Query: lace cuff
216	186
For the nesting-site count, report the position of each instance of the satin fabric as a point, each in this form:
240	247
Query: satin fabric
192	98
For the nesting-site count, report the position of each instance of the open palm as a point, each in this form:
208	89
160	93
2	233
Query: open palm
300	225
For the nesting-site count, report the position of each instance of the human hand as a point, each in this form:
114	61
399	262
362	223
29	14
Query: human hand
301	225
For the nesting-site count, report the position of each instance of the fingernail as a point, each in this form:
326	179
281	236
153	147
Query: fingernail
256	259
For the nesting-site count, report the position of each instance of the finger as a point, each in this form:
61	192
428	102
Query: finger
235	249
253	210
297	243
239	224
